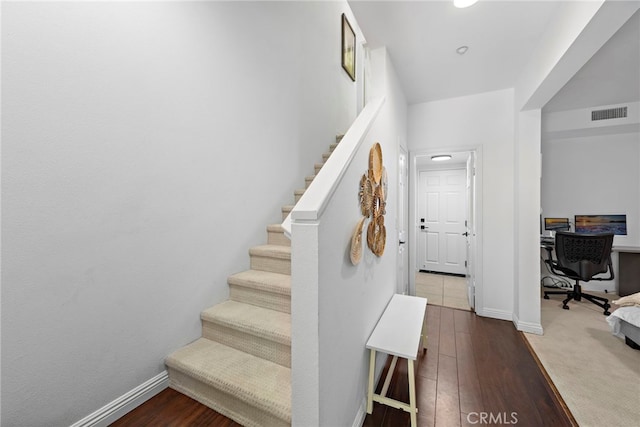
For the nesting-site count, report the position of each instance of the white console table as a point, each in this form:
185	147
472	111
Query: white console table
399	333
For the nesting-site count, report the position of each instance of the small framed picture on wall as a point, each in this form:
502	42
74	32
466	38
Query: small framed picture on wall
348	48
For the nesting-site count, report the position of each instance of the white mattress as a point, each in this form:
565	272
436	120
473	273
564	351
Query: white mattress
630	315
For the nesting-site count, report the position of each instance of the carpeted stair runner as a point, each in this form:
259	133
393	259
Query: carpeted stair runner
262	288
241	365
273	258
243	387
255	330
275	235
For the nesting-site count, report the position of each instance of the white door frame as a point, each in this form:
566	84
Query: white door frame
476	240
403	270
471	228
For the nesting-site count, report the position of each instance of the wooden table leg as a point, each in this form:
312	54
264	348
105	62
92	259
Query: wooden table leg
372	368
423	337
387	380
412	394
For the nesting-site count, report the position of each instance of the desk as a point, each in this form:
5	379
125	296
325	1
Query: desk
628	269
398	333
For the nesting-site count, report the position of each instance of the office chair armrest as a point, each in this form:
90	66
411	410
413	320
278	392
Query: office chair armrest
560	272
610	268
549	250
551	263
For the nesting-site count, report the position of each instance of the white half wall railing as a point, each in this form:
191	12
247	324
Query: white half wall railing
312	241
316	197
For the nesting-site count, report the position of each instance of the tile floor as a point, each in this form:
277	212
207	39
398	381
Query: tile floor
443	290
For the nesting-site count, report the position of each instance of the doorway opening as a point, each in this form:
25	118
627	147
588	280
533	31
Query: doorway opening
444	228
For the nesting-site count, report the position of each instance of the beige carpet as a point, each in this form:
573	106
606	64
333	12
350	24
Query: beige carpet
596	373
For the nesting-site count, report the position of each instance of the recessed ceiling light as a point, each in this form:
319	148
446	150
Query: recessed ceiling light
464	3
441	157
462	50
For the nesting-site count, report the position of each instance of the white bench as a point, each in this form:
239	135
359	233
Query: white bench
399	333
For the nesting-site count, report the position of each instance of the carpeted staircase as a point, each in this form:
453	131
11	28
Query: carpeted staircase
241	366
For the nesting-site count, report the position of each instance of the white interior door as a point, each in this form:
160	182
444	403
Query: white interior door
442	245
403	220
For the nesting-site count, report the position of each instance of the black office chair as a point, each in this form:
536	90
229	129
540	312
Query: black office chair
581	257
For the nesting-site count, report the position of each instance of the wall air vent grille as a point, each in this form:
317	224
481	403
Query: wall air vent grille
609	113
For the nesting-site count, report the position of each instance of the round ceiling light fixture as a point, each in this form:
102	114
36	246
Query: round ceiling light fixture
441	157
462	50
461	4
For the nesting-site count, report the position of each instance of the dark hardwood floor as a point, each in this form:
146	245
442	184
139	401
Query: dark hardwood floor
172	409
477	371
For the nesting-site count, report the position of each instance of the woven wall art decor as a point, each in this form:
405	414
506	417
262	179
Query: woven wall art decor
372	195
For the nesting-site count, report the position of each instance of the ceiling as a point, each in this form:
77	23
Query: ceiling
458	160
422	37
611	76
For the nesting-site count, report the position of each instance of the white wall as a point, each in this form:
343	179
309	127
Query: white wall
335	305
145	148
594	175
575	34
526	310
352	298
486	121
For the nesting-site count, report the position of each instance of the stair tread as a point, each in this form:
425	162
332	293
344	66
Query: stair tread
274	251
254	320
275	228
266	280
300	191
264	384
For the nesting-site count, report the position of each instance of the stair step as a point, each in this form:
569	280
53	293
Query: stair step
308	180
275	235
261	288
255	330
241	365
274	258
339	137
286	210
298	194
245	388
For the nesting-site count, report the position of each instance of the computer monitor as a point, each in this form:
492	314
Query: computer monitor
616	224
556	224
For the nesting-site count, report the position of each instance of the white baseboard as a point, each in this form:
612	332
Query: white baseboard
530	327
125	403
361	415
495	314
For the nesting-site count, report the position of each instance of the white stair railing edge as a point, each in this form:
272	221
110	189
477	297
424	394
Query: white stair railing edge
317	196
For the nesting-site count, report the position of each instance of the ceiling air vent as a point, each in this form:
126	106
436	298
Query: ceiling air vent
609	113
